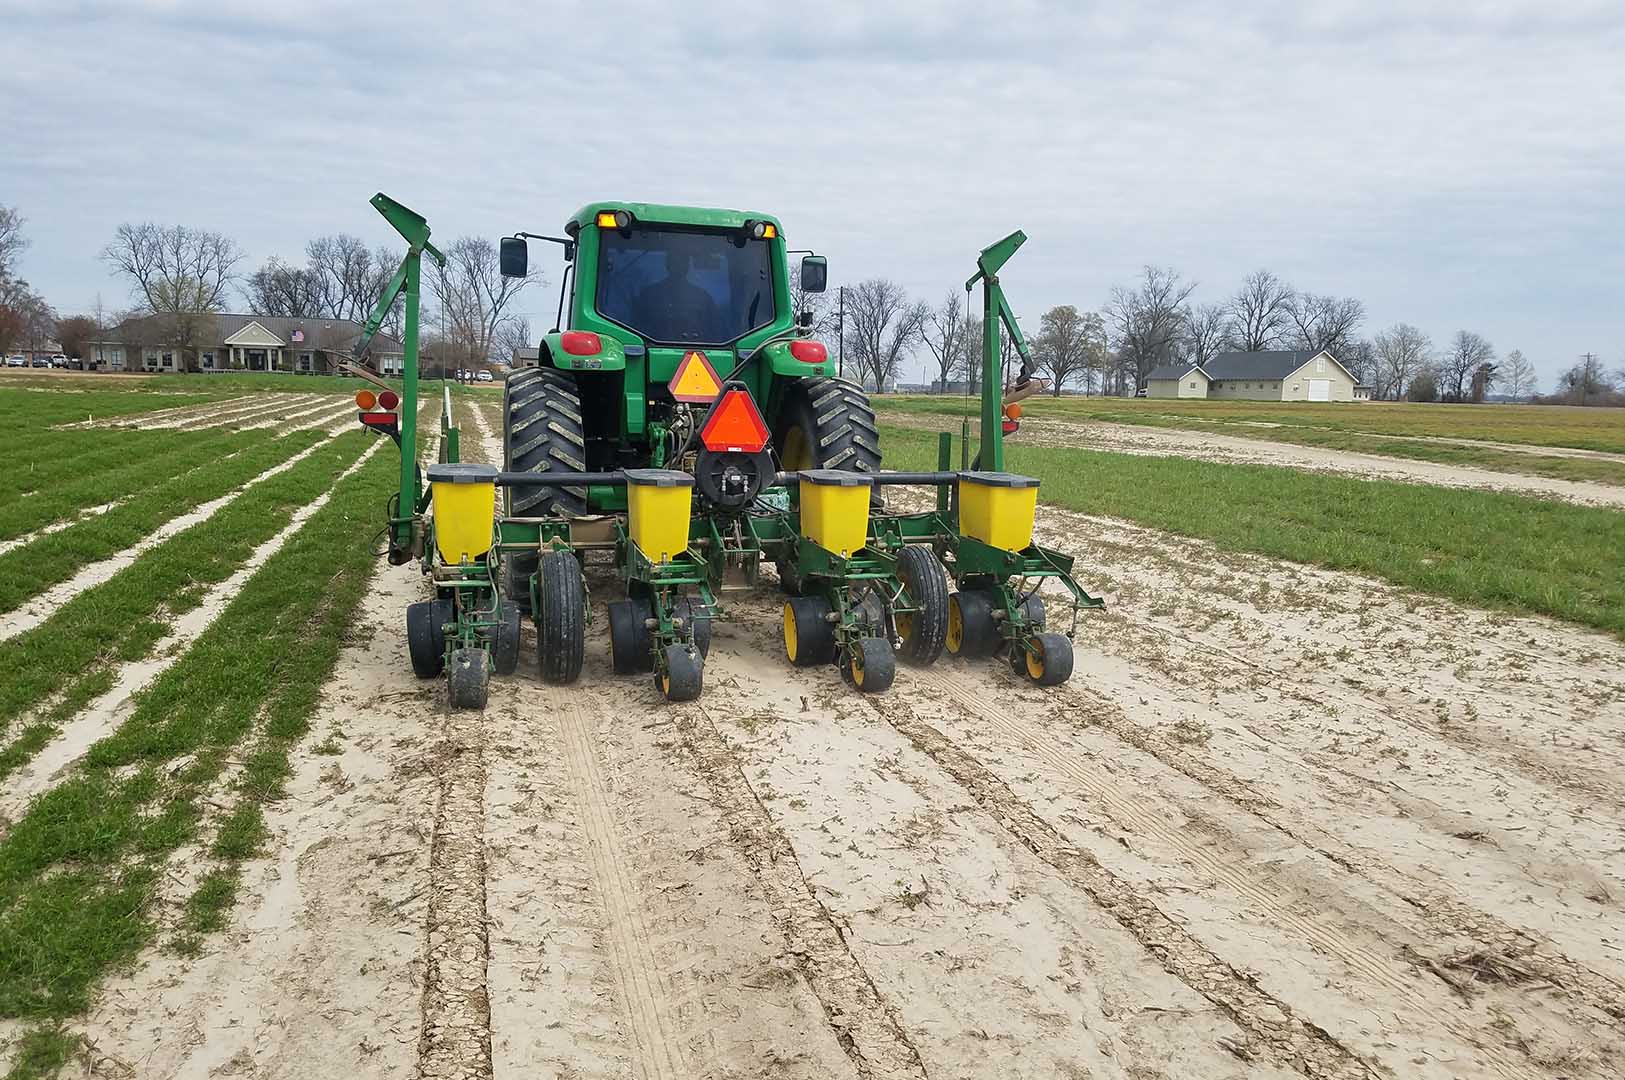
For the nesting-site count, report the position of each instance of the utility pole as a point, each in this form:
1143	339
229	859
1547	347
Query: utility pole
840	334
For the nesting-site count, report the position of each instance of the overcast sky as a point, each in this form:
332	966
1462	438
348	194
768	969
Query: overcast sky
1453	168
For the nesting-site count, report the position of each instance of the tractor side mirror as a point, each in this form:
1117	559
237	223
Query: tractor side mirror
515	257
814	273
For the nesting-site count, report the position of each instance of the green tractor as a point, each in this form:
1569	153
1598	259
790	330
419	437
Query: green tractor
683	419
666	304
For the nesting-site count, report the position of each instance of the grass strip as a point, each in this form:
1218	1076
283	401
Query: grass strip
135	468
1534	425
48	406
119	620
31	569
1491	549
54	457
80	869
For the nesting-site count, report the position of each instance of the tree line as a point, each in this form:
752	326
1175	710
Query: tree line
189	275
1156	321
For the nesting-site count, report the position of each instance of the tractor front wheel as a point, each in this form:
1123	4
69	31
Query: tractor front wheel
561	624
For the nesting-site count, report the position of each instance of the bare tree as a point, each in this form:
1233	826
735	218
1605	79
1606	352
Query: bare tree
1148	319
1260	310
1401	353
883	326
1069	344
12	241
1586	383
1467	351
474	296
1518	375
1359	356
511	336
1324	322
1208	331
284	290
945	332
179	273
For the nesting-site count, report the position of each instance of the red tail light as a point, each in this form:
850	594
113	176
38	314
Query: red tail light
734	425
388	400
581	343
1011	427
808	351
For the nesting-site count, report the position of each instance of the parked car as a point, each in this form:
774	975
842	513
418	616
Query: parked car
16	361
40	361
59	361
484	376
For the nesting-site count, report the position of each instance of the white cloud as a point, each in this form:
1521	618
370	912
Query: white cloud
1450	167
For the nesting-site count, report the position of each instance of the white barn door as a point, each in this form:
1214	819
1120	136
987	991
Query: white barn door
1320	389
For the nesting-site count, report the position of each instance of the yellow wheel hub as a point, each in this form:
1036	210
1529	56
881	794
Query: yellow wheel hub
789	633
796	453
857	668
956	626
1035	661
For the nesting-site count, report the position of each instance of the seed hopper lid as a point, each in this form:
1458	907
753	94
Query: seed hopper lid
999	479
664	478
462	472
835	478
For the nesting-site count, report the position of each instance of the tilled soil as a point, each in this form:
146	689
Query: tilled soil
1282	822
1234	449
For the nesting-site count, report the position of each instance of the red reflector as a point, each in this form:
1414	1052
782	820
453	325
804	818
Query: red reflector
378	419
388	400
734	425
809	351
1011	427
581	343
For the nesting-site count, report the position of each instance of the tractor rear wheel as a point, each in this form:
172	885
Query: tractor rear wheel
542	432
561	625
923	630
825	424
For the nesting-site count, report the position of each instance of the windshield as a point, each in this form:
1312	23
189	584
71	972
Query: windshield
684	286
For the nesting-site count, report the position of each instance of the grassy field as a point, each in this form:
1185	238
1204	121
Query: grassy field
1531	425
1486	548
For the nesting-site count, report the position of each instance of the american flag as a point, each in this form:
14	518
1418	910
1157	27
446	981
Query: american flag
298	336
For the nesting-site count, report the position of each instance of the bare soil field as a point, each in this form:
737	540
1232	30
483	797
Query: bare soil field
1213	446
1282	822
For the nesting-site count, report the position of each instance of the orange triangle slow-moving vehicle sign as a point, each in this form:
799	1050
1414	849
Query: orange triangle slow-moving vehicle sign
696	380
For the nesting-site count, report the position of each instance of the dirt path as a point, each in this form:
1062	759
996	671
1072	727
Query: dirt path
1232	449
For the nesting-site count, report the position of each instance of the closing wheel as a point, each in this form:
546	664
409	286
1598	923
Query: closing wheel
684	609
809	639
1048	660
871	665
628	640
684	674
971	631
424	641
1033	609
469	680
925	630
505	639
561	625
